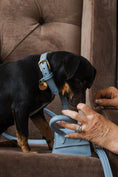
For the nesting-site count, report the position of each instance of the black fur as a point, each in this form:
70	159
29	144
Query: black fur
19	86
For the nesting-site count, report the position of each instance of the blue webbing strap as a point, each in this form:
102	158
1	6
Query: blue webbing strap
105	162
30	141
63	101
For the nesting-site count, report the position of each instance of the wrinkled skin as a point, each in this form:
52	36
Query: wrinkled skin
95	127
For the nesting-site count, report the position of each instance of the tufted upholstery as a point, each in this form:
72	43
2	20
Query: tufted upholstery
29	27
84	27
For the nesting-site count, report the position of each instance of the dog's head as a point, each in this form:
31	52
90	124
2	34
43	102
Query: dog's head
73	75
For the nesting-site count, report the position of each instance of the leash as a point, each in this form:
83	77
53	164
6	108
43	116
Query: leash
48	78
30	141
105	162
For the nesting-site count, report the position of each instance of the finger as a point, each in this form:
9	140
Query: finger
67	125
104	93
71	126
75	135
101	94
108	93
74	115
105	102
85	109
108	102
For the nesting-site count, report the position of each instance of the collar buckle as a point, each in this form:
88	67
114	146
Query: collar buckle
44	60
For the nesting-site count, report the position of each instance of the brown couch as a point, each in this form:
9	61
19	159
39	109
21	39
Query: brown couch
86	27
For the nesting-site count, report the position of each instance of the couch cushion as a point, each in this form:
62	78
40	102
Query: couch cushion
45	164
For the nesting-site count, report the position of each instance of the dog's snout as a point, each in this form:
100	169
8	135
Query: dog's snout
76	99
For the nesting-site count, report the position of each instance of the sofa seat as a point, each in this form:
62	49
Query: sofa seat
16	163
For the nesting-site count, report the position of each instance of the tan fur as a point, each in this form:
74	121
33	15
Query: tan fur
23	143
44	128
66	89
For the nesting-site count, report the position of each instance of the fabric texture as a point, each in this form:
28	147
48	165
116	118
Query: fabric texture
46	164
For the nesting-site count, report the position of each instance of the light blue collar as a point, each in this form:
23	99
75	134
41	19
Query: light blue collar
47	74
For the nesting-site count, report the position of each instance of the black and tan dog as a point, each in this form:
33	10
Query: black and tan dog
20	93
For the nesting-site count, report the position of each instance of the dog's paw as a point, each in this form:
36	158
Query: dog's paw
33	152
28	151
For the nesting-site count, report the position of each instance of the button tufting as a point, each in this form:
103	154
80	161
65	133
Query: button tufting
41	21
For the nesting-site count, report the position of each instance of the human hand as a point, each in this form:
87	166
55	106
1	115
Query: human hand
95	127
107	97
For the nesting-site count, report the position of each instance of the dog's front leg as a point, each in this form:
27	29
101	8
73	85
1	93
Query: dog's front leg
21	121
22	142
42	124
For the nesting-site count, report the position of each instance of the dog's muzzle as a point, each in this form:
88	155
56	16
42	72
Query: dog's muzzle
76	99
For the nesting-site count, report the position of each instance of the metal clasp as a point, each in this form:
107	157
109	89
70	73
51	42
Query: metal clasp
41	61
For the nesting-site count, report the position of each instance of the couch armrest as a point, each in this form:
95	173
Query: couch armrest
111	114
98	42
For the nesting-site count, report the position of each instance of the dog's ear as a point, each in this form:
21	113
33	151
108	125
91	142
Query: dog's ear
86	72
71	64
92	78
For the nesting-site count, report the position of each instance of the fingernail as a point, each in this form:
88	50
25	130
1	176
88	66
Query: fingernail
98	101
66	136
80	105
63	111
58	122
